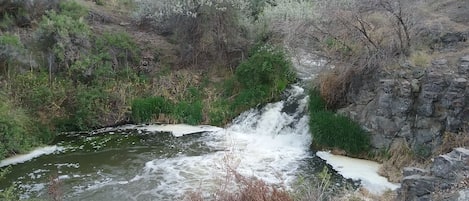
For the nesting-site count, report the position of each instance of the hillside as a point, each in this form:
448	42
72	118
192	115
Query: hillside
390	77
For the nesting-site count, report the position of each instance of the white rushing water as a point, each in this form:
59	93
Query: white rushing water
266	143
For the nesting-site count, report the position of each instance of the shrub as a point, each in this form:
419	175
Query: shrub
72	9
86	107
117	48
250	97
259	79
15	129
220	113
420	59
332	130
144	109
333	85
188	112
267	66
262	77
65	35
22	13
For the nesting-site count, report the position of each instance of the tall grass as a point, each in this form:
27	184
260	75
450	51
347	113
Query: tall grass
145	109
332	130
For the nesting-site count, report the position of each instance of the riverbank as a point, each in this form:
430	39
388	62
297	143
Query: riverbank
80	65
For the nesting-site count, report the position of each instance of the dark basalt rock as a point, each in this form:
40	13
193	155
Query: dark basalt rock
445	179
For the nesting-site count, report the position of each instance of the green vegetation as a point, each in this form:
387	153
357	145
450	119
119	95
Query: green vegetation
259	79
11	52
8	194
16	129
262	77
332	130
145	109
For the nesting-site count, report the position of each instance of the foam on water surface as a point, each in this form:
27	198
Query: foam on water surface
21	158
179	130
358	169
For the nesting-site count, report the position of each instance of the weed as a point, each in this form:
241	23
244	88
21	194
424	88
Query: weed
54	189
317	189
145	109
452	140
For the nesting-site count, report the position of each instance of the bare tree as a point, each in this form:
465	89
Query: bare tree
400	11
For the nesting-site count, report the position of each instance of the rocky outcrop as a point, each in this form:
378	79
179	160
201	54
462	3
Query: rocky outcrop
415	104
446	179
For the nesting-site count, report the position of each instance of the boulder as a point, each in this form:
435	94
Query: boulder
446	179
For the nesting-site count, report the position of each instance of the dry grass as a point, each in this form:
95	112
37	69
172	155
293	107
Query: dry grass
453	140
364	195
420	59
400	155
333	85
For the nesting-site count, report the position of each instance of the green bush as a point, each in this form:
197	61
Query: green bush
6	22
16	128
332	130
250	97
86	107
188	112
72	9
118	47
267	66
144	109
220	113
260	79
63	36
34	90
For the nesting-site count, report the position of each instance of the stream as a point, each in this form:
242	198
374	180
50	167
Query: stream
165	162
168	162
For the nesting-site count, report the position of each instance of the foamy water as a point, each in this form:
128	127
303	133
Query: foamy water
21	158
358	169
266	143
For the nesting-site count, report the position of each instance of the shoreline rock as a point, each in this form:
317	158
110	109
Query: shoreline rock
446	179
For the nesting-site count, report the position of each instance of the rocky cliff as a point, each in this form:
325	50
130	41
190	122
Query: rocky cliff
415	104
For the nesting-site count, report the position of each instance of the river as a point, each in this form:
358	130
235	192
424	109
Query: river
165	162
